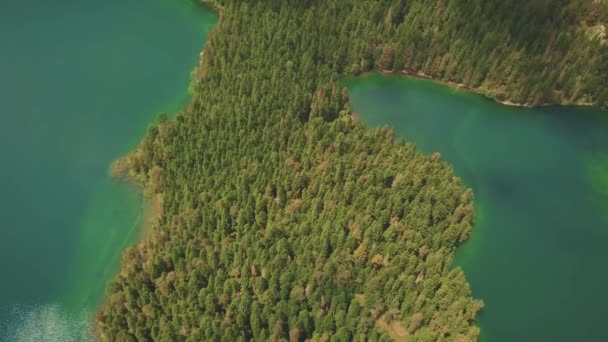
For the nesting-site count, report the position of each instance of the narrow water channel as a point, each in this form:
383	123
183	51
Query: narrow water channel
539	248
80	82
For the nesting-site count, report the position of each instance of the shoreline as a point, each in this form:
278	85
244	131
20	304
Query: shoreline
151	210
212	5
152	205
462	86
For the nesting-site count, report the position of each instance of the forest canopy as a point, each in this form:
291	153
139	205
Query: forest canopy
284	217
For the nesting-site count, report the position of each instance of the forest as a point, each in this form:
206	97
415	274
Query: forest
283	217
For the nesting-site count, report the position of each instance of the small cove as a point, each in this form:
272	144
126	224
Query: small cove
538	249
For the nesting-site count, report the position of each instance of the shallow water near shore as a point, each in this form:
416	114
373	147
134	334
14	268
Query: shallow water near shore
538	250
81	80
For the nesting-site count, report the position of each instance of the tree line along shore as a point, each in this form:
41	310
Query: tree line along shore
283	218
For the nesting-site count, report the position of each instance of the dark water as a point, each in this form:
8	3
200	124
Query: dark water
79	82
539	251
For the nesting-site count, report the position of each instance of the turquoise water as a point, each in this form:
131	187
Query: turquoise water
80	81
538	252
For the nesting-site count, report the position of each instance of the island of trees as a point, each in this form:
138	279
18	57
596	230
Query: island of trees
283	217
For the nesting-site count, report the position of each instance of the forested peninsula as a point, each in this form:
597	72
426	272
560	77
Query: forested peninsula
285	218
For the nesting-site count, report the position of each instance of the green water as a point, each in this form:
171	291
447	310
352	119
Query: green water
539	250
79	82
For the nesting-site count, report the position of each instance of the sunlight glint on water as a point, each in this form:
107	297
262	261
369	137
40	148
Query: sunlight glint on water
47	323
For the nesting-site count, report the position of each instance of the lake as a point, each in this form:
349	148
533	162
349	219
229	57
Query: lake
80	82
538	252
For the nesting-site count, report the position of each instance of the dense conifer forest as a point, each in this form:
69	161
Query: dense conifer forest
283	217
529	52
